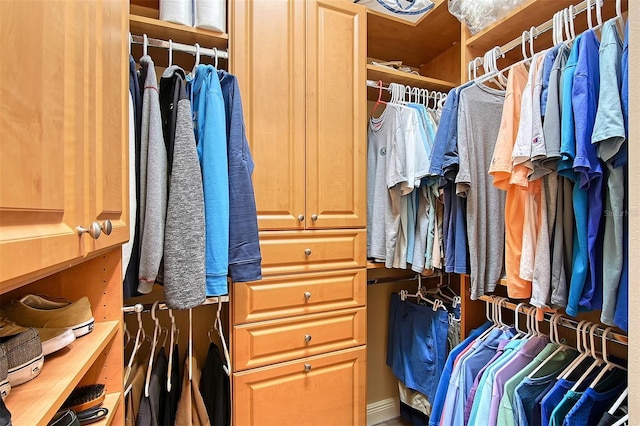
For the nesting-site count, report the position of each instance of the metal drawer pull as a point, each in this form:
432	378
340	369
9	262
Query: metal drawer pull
307	252
300	217
314	217
106	227
307	368
307	295
93	230
307	338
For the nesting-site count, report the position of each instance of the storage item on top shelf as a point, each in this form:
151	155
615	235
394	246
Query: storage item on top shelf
479	14
407	10
177	11
210	15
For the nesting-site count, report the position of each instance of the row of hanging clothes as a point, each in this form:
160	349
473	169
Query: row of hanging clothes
502	375
160	389
423	327
404	211
190	167
532	163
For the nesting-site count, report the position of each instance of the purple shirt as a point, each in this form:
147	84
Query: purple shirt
476	381
524	356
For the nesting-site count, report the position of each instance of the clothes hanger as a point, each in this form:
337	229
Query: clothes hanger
215	59
140	336
145	44
571	18
489	314
130	42
609	365
555	339
619	402
218	326
379	101
596	363
582	350
154	344
172	341
170	52
195	66
623	421
619	18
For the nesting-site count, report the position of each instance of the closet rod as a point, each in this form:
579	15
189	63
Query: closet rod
146	307
400	278
375	85
566	322
540	29
180	47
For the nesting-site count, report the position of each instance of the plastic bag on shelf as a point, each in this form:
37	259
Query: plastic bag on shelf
406	10
478	14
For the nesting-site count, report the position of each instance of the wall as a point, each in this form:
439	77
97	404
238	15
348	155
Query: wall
634	217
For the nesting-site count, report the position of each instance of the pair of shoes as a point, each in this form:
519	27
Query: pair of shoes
21	355
46	313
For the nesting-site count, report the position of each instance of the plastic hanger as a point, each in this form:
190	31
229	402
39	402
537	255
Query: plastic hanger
145	44
597	361
488	312
571	18
555	339
609	365
140	336
218	326
581	350
170	52
172	341
379	101
130	42
197	62
154	344
619	18
622	421
215	58
619	401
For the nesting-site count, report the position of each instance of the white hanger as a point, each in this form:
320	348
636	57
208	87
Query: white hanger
170	52
619	18
154	344
215	51
145	44
130	42
140	336
589	22
190	344
218	326
197	62
619	401
609	365
597	362
523	40
622	421
599	12
571	19
531	38
172	344
555	339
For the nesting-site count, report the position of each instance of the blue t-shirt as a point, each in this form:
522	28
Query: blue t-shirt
567	127
585	92
549	59
621	158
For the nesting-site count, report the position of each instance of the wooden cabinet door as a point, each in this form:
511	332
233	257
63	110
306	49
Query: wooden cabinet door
267	56
336	114
108	139
42	132
317	391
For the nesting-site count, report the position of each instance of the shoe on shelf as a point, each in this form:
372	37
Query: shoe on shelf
53	339
24	352
42	312
5	415
5	387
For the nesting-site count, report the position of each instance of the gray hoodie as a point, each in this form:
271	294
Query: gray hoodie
153	180
184	238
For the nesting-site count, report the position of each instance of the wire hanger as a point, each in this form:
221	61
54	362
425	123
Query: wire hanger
172	341
154	344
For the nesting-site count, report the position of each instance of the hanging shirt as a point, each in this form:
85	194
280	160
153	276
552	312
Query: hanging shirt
594	402
585	90
479	117
501	168
547	66
609	135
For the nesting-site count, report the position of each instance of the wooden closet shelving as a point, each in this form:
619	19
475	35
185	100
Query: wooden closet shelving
155	28
111	402
377	72
36	401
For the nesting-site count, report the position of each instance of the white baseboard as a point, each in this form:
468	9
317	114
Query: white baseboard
380	411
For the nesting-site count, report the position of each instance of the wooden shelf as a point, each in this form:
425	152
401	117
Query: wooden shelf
375	265
415	45
36	402
111	402
390	75
156	28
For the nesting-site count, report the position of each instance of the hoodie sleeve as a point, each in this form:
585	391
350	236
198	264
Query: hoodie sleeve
153	203
244	248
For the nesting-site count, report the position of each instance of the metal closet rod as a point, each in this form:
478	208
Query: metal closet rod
180	47
146	307
400	278
569	323
374	84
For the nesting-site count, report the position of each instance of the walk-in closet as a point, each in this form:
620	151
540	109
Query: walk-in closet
319	212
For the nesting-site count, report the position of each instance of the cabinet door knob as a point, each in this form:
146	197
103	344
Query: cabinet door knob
307	368
314	217
307	295
93	230
106	227
300	217
307	252
307	338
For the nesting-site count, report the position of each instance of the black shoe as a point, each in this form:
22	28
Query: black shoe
65	418
5	415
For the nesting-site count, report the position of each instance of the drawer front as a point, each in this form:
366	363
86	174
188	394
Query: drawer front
318	391
276	341
307	251
287	296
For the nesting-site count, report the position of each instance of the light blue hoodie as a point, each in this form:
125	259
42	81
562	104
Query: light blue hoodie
209	123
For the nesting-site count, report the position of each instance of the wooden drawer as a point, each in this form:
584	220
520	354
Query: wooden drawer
331	392
286	252
287	296
276	341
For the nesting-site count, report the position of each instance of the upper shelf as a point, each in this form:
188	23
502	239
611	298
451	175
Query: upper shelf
528	14
415	45
154	28
389	75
